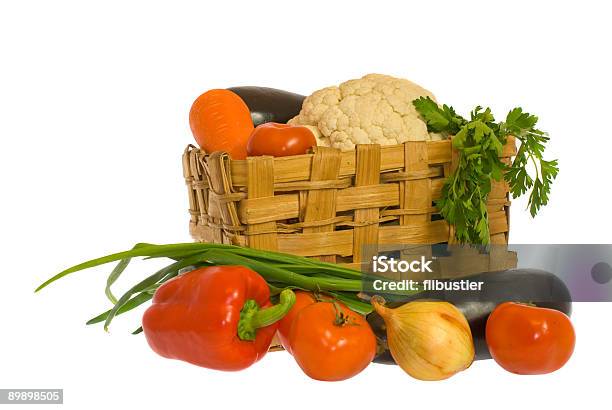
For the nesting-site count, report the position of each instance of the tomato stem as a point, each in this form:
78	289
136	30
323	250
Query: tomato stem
341	318
252	317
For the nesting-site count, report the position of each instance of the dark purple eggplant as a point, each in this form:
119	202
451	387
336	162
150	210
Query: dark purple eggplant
538	287
269	104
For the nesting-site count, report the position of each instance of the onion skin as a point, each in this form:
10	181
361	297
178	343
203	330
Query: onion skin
429	340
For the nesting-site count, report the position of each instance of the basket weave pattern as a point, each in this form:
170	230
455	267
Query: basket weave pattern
329	204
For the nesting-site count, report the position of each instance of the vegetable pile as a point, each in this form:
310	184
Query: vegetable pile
219	307
380	109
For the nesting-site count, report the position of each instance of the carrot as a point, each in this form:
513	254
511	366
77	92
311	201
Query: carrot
221	121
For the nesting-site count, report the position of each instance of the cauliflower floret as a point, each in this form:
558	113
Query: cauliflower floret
373	109
321	140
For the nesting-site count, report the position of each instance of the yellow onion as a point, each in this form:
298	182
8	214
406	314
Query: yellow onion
429	340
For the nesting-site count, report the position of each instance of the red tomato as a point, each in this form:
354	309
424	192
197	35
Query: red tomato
280	140
525	339
330	342
302	299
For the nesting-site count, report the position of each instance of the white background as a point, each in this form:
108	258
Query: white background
94	100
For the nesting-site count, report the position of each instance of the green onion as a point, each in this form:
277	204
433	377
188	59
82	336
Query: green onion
134	302
112	278
278	269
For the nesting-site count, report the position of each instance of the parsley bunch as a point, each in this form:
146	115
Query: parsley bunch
480	142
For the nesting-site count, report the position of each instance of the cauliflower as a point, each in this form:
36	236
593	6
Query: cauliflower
321	140
373	109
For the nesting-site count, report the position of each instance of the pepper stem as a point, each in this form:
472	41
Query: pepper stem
252	317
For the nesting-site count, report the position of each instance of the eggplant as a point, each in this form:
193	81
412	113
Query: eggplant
538	287
269	104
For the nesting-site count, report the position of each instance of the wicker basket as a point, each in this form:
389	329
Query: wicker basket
329	204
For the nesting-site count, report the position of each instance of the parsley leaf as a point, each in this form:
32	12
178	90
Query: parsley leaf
438	119
480	142
523	126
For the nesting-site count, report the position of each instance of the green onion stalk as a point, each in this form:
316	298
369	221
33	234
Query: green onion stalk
280	270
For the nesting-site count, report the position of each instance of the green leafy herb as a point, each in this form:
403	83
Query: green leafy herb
439	119
480	142
523	126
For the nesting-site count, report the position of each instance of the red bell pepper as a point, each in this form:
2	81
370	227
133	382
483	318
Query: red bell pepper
216	317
